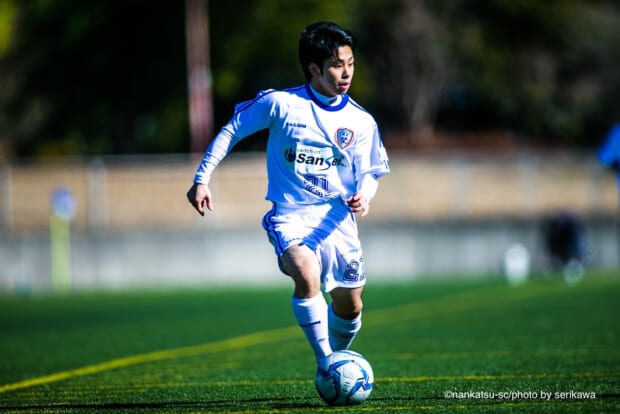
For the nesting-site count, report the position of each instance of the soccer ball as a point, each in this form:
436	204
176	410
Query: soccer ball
347	380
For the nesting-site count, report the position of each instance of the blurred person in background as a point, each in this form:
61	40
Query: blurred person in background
609	151
609	155
324	156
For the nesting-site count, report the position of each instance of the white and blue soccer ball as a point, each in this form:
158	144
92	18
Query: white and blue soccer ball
346	379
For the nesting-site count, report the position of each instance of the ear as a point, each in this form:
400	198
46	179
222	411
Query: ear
315	71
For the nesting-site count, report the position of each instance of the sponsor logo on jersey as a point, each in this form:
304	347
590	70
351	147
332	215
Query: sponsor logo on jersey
295	125
316	158
289	155
344	137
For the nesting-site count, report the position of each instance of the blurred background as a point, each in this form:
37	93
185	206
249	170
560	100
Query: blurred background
493	113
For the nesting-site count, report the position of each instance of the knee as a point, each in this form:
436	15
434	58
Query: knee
301	264
347	303
348	309
307	287
355	309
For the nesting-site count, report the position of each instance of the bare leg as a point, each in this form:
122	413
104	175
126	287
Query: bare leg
347	302
309	305
302	265
344	316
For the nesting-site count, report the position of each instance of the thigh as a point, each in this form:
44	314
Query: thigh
302	265
300	261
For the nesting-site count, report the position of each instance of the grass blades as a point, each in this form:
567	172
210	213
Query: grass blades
450	346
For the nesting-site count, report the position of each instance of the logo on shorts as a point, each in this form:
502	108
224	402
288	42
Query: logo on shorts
344	137
354	272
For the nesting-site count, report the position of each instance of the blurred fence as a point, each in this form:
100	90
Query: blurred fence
448	214
148	193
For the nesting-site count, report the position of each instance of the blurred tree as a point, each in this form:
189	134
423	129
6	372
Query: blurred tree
110	77
257	49
543	69
409	61
8	10
88	78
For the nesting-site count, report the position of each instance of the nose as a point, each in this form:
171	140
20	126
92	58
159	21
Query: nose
346	72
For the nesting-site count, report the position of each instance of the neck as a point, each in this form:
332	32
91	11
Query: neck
327	100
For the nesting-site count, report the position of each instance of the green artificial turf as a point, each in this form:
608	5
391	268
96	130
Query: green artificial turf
444	346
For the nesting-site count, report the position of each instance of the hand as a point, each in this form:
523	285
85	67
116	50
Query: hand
199	196
359	203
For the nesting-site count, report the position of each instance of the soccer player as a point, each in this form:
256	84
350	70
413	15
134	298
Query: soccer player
324	156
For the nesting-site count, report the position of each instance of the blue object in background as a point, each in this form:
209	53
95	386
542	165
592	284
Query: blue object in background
609	152
609	155
63	204
63	210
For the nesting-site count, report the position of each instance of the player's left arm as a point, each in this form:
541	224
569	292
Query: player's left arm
371	163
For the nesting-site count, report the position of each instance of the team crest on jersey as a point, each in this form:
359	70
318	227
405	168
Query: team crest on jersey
344	137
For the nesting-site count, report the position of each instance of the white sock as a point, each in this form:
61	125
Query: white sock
311	314
342	331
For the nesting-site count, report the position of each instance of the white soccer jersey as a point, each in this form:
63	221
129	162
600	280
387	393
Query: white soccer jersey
316	152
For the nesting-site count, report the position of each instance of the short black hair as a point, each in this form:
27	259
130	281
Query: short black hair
319	41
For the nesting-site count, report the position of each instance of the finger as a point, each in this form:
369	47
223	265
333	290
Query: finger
363	209
209	204
193	200
199	206
353	202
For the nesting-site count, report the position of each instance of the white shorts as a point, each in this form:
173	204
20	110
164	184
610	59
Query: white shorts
327	229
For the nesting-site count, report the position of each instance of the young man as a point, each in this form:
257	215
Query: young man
324	156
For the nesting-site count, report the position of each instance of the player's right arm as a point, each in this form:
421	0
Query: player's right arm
249	117
200	197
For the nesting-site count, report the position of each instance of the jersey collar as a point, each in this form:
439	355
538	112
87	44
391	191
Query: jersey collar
324	105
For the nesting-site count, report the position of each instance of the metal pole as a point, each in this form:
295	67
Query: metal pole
199	75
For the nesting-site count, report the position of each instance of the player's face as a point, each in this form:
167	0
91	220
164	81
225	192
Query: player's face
337	74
